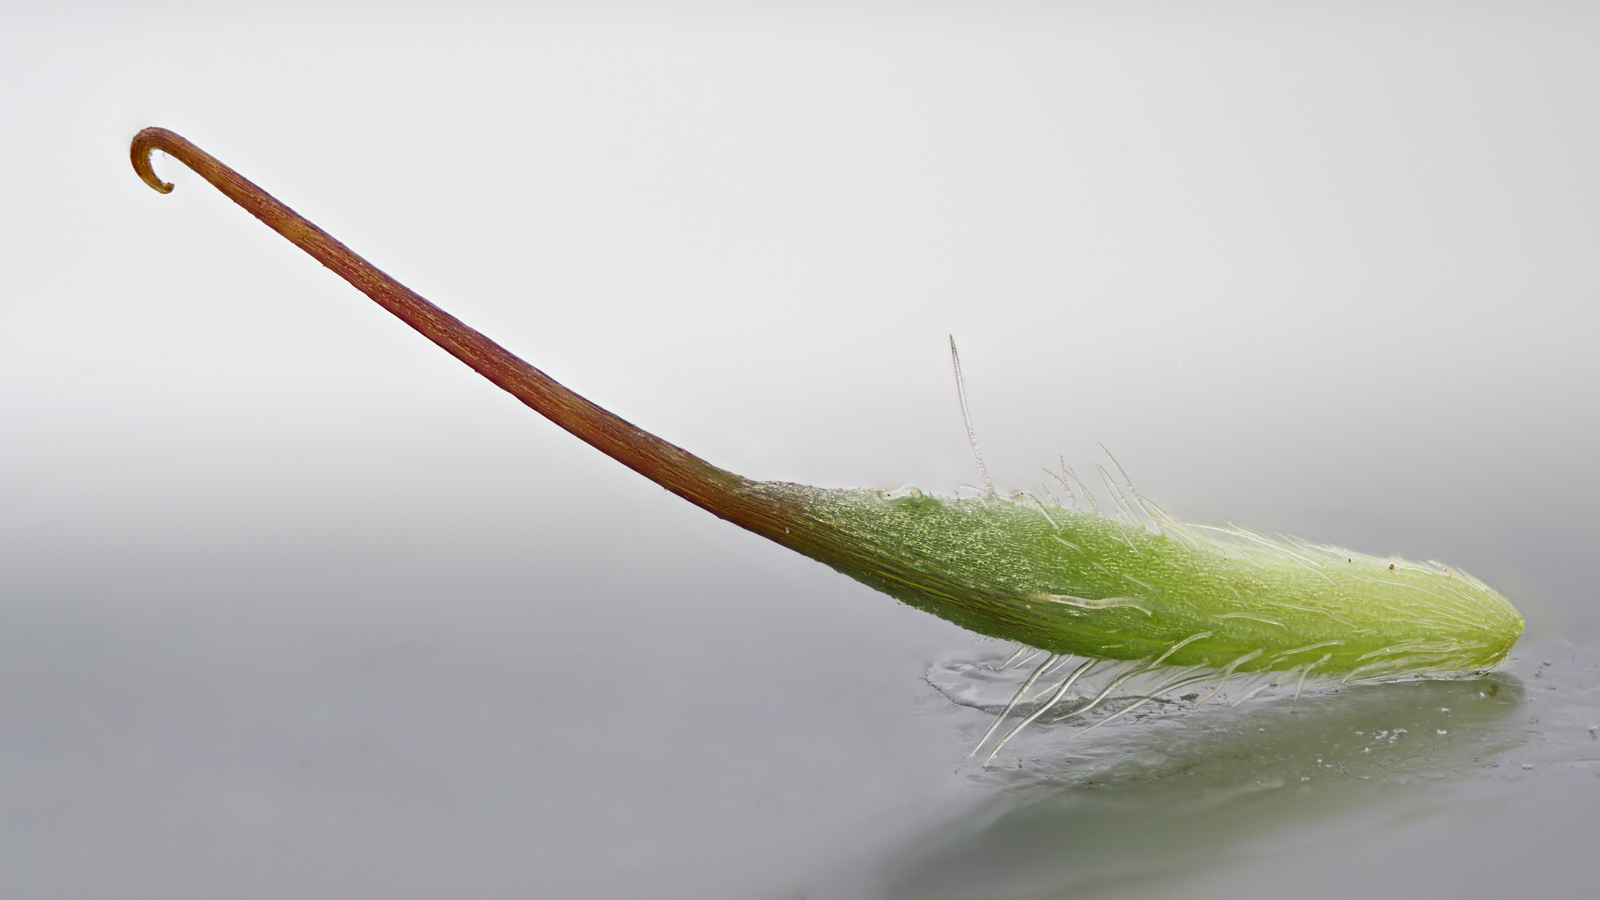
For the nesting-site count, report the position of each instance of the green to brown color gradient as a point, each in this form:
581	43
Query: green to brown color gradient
1146	589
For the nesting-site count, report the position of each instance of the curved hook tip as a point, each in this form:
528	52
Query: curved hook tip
145	144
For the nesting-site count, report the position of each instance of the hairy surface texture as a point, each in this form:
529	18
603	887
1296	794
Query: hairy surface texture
1075	582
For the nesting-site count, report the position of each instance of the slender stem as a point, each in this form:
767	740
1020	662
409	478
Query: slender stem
723	493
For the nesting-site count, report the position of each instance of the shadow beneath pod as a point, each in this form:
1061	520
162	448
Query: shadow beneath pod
1182	787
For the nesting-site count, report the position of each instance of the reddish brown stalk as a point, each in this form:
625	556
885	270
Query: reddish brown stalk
723	493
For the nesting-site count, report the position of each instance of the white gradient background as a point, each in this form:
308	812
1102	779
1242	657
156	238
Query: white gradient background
294	604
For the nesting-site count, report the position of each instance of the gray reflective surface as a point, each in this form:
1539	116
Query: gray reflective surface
1257	794
291	604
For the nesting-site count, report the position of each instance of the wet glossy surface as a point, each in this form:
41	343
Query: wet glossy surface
1260	793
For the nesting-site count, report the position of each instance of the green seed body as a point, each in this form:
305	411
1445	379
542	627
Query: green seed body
1081	584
